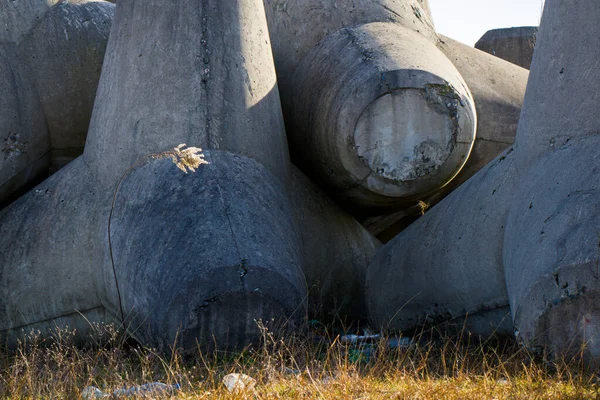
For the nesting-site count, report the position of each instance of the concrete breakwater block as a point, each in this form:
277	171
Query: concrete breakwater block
51	56
173	242
366	152
522	231
515	45
383	129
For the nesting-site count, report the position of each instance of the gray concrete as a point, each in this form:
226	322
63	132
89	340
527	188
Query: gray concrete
337	251
346	130
202	256
17	18
230	69
52	245
65	51
24	141
351	148
305	35
51	54
296	26
515	45
219	246
449	262
529	217
498	89
551	246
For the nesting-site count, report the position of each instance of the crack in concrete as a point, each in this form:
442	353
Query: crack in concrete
76	312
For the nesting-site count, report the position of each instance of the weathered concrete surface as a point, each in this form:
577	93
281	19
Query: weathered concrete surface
203	256
51	54
380	115
65	51
24	142
336	250
498	89
353	147
552	244
229	70
221	93
51	245
312	58
449	262
296	26
17	18
551	247
532	213
515	45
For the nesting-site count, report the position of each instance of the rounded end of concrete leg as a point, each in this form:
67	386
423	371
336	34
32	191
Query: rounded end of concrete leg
426	136
200	257
568	329
226	310
414	140
560	315
380	115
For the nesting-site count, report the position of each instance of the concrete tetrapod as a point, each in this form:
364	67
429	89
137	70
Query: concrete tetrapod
551	245
51	56
380	115
174	256
515	45
357	144
498	88
303	34
530	216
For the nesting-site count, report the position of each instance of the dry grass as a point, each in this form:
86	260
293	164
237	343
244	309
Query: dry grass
306	366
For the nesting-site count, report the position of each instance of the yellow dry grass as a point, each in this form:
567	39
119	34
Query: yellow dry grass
301	366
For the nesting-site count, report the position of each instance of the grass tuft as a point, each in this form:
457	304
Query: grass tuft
312	364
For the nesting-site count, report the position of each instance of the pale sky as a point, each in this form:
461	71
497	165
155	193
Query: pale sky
467	20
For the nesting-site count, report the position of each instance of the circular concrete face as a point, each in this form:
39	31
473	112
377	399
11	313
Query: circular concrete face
401	137
414	140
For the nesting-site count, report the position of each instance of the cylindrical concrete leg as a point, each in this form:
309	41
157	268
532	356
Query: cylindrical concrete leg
552	242
51	253
65	51
227	227
337	251
24	142
296	26
380	115
210	83
448	263
498	88
552	252
201	257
